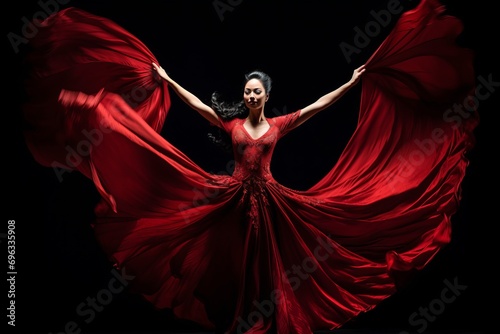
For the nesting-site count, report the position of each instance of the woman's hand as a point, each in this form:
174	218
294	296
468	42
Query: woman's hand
356	75
161	72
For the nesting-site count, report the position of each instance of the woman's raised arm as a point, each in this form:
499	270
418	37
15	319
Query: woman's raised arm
189	98
330	98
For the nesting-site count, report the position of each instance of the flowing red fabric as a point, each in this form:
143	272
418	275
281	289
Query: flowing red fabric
242	253
76	50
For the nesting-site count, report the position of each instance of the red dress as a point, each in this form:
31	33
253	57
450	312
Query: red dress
241	252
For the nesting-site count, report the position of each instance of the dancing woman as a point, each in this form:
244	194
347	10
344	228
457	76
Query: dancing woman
241	252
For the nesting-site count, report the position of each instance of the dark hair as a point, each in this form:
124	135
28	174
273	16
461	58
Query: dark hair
262	77
229	110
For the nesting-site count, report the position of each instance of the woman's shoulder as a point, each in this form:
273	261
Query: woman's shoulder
229	123
285	122
277	117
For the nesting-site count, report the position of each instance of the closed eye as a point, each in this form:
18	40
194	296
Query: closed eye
256	91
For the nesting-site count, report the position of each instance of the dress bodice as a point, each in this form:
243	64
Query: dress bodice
244	253
253	155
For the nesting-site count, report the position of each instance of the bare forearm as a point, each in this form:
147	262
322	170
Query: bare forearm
190	99
323	102
330	98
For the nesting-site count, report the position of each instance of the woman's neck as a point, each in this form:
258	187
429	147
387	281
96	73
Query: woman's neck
256	116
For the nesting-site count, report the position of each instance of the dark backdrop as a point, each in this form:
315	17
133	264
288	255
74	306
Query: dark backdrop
60	265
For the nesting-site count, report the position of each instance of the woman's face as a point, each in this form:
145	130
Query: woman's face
254	94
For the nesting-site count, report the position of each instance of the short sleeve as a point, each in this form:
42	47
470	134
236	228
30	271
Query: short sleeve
285	123
227	125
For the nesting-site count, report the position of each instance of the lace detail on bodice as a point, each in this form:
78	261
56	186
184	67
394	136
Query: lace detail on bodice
253	161
253	156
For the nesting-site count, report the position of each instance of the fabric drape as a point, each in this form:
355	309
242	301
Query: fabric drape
241	252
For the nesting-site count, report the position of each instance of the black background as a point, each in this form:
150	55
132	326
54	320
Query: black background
59	264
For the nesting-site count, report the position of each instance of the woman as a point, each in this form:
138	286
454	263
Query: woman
255	95
242	253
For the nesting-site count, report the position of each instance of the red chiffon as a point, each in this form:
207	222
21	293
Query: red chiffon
79	51
240	252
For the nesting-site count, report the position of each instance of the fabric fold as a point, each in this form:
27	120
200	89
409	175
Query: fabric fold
292	261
